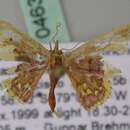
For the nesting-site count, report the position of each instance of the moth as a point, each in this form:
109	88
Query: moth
84	65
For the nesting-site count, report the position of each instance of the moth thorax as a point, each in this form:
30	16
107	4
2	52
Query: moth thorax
57	58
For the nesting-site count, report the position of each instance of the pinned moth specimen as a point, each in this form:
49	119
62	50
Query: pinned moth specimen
84	65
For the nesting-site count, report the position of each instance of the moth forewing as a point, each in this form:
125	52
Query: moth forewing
116	41
19	45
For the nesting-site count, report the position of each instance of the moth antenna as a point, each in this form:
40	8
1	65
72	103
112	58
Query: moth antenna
71	48
58	27
50	45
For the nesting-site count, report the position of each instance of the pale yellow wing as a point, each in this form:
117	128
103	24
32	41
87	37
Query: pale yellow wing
116	41
17	46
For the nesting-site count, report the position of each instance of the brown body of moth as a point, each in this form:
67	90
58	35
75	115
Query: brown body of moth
84	65
56	71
